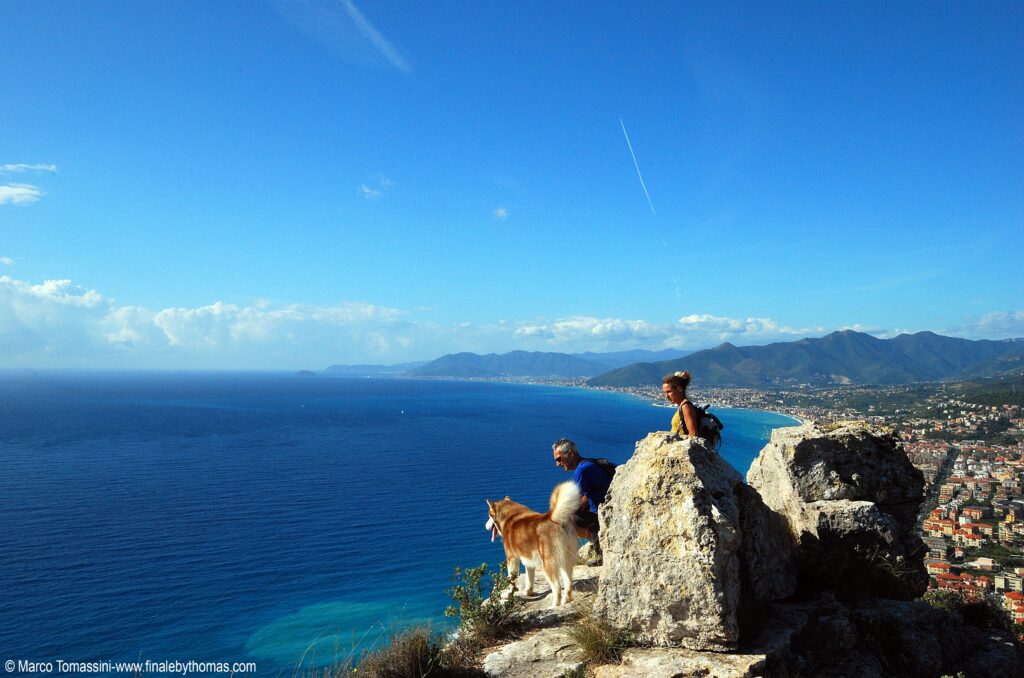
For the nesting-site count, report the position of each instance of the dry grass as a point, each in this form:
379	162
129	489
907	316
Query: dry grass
601	643
485	617
412	653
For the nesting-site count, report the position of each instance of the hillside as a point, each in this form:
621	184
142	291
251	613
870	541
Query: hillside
845	357
616	359
514	363
370	370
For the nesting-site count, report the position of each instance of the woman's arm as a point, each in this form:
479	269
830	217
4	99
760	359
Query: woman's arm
690	418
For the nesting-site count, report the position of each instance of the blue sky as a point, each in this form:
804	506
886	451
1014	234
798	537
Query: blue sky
288	184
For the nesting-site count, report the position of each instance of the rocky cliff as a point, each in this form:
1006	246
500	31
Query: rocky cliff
810	568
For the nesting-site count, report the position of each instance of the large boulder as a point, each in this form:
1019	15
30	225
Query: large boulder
672	531
850	497
767	562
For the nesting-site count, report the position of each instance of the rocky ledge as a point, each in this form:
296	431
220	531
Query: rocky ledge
810	568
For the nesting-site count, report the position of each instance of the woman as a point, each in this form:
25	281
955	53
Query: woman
684	422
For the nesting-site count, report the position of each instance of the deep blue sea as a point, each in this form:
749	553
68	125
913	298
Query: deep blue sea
271	517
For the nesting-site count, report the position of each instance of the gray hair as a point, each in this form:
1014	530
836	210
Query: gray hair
565	445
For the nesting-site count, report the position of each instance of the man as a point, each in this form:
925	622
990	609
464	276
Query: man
593	482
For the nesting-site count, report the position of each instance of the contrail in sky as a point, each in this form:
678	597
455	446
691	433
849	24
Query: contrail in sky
635	164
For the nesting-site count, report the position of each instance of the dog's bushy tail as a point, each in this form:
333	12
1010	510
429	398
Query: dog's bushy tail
564	501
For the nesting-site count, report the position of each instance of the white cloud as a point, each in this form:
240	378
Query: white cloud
751	330
580	333
995	325
6	261
376	187
19	194
25	167
369	193
501	213
222	325
63	292
58	323
880	332
48	319
387	50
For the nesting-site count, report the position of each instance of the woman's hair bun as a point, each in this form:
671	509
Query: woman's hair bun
677	380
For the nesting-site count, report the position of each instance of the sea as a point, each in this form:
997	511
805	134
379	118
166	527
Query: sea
289	521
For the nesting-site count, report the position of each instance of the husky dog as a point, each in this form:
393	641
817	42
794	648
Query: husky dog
544	539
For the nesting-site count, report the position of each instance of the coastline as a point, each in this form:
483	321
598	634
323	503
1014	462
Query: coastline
654	398
715	397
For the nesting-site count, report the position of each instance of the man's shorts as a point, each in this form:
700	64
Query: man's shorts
586	520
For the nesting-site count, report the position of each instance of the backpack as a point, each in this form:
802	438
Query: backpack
606	466
709	427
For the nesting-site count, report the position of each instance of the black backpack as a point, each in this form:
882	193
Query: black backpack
606	466
709	427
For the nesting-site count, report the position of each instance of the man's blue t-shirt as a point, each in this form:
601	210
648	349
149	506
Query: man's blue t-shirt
592	481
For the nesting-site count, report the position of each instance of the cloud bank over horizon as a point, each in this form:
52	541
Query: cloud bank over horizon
58	323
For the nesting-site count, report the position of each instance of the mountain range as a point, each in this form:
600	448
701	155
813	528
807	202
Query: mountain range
535	363
512	364
845	357
371	370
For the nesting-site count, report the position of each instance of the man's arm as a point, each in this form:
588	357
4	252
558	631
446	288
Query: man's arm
584	503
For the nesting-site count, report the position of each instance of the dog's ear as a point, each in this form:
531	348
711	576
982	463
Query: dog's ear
489	504
508	498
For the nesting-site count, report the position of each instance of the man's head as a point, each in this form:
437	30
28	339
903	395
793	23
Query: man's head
566	455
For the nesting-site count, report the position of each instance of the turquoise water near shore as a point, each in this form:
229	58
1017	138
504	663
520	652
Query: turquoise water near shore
269	517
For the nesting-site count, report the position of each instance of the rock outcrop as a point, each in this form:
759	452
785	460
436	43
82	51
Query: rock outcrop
689	549
675	545
876	638
546	651
850	497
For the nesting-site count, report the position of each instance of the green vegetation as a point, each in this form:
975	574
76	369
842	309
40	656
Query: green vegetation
996	552
986	613
486	612
1007	391
950	601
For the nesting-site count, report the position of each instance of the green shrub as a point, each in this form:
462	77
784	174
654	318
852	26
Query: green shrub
487	604
985	613
950	601
601	643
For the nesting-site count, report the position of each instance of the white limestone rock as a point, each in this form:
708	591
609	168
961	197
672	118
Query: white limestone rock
671	539
548	653
645	663
850	497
